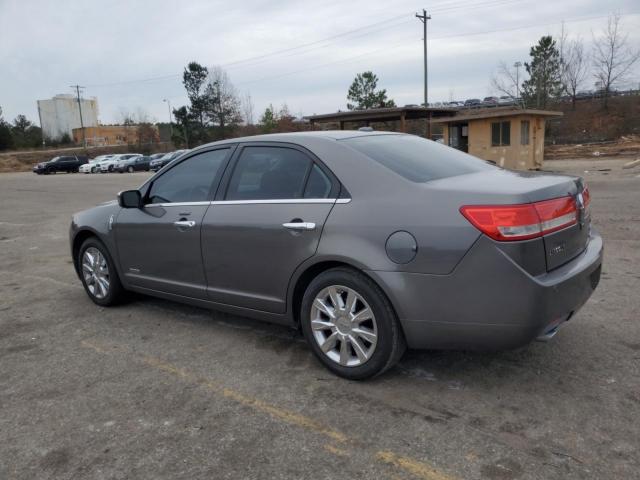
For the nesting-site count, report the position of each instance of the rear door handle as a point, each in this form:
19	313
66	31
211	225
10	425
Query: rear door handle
300	225
185	224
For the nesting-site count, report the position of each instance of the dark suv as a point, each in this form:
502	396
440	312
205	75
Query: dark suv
69	164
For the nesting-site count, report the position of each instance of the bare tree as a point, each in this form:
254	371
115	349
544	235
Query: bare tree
613	58
247	108
125	117
506	80
223	103
575	67
141	116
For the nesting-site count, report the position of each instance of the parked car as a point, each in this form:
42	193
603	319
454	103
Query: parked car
447	251
134	164
110	164
472	102
506	100
490	101
68	163
158	163
92	165
107	164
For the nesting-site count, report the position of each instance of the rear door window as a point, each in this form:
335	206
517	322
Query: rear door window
318	184
268	173
416	158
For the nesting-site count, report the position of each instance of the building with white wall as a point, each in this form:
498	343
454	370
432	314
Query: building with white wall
61	115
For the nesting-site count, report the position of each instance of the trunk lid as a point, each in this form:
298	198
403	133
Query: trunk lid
504	187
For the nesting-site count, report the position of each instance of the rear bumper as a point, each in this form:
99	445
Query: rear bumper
488	301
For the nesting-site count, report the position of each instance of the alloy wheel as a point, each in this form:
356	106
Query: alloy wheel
344	326
95	271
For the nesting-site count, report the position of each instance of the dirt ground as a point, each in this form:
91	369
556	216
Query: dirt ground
158	390
626	146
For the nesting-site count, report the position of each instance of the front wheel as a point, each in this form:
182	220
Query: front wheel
350	324
98	273
130	169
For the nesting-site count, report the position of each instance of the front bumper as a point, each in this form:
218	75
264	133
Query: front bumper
489	302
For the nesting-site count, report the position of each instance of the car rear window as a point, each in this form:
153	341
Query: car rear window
416	158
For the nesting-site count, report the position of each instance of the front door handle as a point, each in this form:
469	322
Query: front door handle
185	224
300	225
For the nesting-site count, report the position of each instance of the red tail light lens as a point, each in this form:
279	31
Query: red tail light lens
586	196
524	221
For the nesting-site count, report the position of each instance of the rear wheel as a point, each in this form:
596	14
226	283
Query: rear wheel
130	169
98	273
350	324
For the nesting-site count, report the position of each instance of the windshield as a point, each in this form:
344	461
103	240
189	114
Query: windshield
416	158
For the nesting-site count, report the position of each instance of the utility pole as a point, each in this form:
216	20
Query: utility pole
424	18
41	129
84	140
170	125
517	65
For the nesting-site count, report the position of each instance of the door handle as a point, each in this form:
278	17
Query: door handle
185	223
300	225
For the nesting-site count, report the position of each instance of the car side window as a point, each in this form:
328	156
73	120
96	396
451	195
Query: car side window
268	173
318	184
189	181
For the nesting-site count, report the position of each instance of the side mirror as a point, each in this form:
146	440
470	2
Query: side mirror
130	199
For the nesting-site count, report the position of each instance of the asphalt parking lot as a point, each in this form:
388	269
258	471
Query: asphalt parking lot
158	390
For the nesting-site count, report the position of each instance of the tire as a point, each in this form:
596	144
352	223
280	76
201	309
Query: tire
130	169
114	293
93	169
379	351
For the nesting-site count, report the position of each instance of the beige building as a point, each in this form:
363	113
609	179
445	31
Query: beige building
103	135
508	137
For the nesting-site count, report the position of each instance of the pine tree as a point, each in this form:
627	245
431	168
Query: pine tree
364	95
544	71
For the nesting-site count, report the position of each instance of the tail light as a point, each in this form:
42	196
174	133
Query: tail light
586	196
523	221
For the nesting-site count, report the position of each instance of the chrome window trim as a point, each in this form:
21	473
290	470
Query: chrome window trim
179	204
274	201
252	202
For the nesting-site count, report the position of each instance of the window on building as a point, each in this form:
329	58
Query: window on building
501	134
524	132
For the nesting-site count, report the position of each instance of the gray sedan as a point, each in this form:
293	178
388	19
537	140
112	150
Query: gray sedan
367	242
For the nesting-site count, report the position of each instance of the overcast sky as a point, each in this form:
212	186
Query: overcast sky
130	55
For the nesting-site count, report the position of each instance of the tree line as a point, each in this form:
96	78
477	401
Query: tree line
20	133
217	111
561	67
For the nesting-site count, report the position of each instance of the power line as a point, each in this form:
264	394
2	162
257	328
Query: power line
372	52
163	77
347	59
327	40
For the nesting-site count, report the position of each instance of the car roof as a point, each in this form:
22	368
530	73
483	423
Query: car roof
300	137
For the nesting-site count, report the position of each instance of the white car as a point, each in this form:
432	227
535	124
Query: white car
92	165
109	164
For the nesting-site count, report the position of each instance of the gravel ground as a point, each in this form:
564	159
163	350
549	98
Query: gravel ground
158	390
